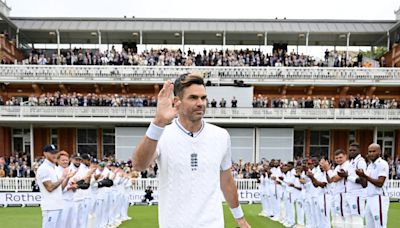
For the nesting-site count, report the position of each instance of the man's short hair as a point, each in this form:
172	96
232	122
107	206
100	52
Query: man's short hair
339	151
62	153
186	80
354	144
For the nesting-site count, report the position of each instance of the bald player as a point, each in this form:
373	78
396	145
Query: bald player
375	179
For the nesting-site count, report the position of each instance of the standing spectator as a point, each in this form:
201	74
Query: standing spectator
317	102
398	168
359	59
309	103
326	55
293	103
234	102
222	103
213	103
325	103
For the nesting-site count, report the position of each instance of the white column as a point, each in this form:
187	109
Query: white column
32	144
58	42
256	145
307	36
347	47
140	41
99	36
223	42
375	134
265	41
388	41
183	41
17	38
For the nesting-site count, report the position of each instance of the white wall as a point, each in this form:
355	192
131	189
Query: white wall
126	139
244	95
242	141
275	143
242	144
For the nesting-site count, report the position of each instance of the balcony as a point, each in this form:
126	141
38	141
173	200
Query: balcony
227	116
217	75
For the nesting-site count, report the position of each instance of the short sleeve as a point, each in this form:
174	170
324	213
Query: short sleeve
226	162
43	176
383	170
361	165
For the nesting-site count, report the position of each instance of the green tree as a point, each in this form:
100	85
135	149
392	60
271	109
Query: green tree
376	54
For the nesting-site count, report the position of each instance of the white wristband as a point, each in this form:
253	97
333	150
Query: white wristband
237	212
154	132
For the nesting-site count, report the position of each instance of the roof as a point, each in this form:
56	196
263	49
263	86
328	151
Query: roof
203	31
197	25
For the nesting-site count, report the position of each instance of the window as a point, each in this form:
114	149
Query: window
108	142
319	144
352	137
298	144
87	141
386	141
54	136
21	140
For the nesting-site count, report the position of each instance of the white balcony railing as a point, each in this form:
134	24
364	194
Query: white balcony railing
134	114
25	184
219	75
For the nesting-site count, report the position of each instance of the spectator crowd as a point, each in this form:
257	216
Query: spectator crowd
357	101
78	99
169	57
19	165
259	101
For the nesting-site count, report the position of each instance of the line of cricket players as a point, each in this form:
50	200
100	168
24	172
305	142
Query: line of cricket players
349	193
94	194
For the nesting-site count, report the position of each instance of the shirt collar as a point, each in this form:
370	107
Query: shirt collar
377	160
192	134
49	163
356	158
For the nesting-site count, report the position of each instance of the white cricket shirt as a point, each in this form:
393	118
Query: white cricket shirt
50	200
375	170
189	180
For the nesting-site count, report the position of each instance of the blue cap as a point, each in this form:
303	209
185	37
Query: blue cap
50	148
85	157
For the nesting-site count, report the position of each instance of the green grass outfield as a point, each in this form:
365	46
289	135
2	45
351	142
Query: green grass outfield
146	217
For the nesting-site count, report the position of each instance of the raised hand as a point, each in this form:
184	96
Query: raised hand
165	112
70	174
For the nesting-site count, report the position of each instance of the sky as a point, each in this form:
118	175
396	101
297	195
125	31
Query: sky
260	9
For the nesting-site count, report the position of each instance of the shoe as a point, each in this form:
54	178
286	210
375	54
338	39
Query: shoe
275	219
262	214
